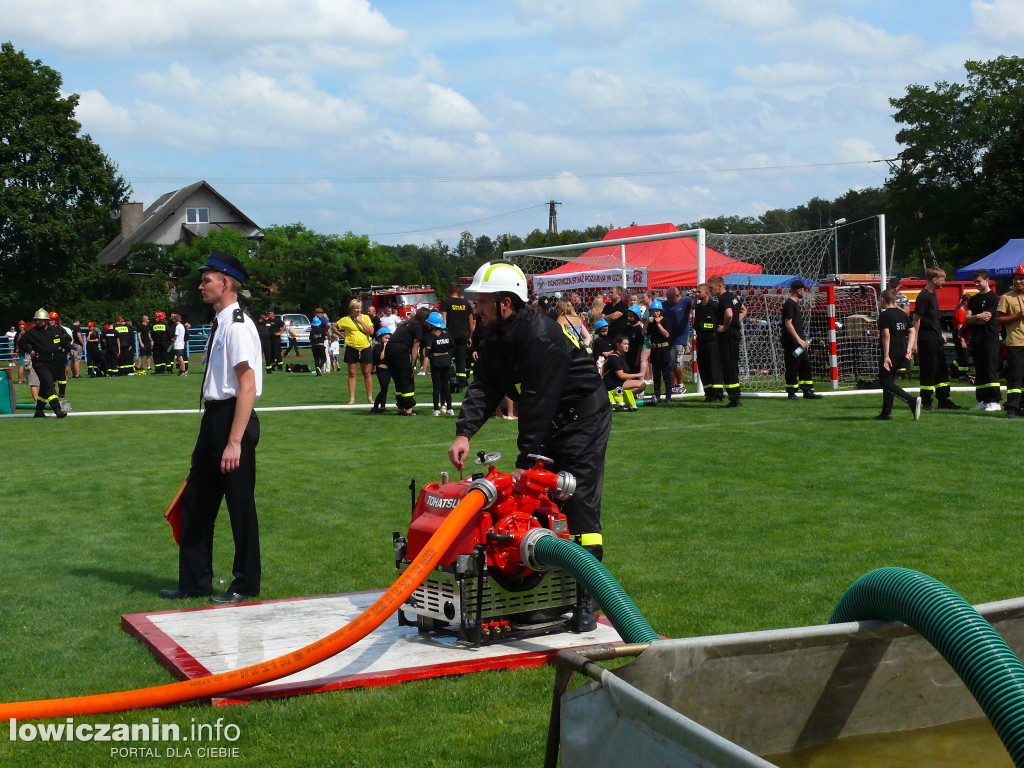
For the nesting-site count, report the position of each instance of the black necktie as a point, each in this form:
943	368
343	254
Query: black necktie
206	371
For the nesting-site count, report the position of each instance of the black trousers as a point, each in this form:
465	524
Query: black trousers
1014	377
399	362
161	358
986	370
383	384
201	500
441	386
709	367
319	356
729	352
276	361
127	362
461	353
580	448
890	390
798	370
94	359
931	359
49	372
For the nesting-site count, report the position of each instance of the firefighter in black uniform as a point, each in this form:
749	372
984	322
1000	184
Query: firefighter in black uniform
93	355
795	344
709	364
460	322
931	342
263	329
981	317
48	346
317	344
564	412
62	380
162	340
399	355
111	350
727	307
126	347
276	327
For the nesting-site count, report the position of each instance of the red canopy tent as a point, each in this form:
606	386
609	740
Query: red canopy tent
668	262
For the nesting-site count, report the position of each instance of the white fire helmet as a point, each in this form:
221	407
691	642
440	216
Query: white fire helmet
498	277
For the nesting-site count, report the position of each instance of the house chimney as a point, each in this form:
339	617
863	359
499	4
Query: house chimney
131	217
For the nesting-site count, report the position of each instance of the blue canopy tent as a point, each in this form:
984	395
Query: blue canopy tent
765	281
999	263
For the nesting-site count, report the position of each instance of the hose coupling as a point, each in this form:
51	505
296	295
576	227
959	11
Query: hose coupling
565	487
487	488
528	546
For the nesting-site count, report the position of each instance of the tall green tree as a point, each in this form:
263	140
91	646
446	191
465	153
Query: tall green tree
942	188
57	190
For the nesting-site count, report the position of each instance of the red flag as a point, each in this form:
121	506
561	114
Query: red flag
173	514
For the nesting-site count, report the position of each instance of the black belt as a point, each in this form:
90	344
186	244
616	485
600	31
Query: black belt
659	346
212	405
582	409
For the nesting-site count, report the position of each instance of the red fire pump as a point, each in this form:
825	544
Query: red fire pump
488	586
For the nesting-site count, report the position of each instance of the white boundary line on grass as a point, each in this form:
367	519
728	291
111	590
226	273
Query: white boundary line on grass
357	406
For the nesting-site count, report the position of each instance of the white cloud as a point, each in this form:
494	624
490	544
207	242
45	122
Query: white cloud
846	36
1000	21
104	27
98	115
428	104
854	149
242	110
788	73
761	15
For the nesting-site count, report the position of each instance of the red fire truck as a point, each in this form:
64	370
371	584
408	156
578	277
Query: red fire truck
403	299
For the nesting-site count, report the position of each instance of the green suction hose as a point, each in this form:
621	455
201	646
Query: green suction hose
595	578
975	651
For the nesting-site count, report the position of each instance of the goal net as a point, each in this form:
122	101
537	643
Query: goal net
758	268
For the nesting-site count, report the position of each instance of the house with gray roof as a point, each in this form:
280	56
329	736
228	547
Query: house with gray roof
184	214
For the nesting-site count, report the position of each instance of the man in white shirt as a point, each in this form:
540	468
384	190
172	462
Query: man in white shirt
224	459
180	355
389	320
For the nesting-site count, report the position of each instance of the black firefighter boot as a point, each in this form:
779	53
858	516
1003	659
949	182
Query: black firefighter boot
583	619
40	406
59	412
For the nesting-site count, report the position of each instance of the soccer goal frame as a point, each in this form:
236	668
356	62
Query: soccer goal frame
842	317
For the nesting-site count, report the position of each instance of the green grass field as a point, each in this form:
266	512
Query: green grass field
715	521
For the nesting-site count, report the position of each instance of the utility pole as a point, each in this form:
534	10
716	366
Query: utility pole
552	217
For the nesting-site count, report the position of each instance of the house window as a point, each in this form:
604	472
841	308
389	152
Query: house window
197	215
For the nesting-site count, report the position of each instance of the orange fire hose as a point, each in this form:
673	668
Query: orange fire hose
274	669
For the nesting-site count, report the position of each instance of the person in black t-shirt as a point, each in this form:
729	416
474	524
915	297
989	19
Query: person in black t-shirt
438	344
728	308
893	349
275	326
460	322
263	331
635	333
402	350
616	369
380	367
709	364
317	344
795	345
981	319
615	312
931	340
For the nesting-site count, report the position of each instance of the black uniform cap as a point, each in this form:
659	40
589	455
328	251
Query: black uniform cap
226	264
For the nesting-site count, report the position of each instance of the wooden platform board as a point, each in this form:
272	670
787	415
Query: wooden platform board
201	641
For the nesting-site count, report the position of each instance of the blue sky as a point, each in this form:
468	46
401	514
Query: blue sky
407	120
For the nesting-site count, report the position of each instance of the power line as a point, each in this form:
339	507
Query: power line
520	213
508	177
